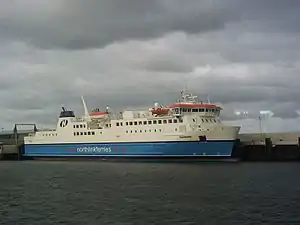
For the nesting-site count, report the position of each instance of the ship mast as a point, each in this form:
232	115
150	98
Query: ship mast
86	113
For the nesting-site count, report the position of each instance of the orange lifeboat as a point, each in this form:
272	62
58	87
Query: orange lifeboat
98	113
160	111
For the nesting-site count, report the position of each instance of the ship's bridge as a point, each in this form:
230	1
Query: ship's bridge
203	109
188	105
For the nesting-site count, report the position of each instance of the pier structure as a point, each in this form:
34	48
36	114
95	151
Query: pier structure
268	147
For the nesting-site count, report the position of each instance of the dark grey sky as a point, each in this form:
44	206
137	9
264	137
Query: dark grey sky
130	53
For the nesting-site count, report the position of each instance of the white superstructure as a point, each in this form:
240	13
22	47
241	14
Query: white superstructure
186	120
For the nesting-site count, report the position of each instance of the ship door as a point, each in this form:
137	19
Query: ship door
202	138
182	128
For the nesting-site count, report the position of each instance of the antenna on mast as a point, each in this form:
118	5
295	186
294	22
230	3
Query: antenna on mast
208	99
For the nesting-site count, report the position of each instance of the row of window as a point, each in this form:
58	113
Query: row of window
199	110
50	135
136	131
127	131
84	133
140	131
79	126
149	122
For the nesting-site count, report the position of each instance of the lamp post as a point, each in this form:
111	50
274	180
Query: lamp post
263	114
243	114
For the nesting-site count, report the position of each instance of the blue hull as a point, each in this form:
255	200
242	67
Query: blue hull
147	150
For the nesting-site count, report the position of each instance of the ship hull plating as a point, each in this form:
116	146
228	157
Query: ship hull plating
220	150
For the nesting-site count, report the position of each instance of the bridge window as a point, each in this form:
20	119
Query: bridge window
154	122
117	124
159	121
175	121
170	120
135	123
165	121
194	110
140	122
149	122
130	123
145	122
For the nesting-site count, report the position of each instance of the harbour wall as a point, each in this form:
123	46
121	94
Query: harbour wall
248	147
268	147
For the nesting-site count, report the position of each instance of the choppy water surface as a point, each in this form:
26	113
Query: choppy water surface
147	193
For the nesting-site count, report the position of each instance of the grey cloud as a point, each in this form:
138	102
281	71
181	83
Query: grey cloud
166	63
87	24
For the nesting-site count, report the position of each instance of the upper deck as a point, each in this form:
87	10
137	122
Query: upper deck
186	105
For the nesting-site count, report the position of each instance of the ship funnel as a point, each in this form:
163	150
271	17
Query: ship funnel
86	113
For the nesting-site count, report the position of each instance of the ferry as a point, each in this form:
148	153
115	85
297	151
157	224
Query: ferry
186	130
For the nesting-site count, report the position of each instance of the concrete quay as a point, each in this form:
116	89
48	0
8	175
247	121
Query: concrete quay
268	147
